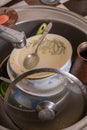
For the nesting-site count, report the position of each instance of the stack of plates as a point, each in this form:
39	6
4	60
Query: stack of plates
54	52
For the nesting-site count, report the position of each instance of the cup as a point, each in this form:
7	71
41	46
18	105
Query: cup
79	67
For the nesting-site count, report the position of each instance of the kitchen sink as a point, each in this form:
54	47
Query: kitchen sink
65	23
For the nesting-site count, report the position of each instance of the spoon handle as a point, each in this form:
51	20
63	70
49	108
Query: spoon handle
47	29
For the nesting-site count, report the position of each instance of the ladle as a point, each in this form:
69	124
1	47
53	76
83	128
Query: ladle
32	59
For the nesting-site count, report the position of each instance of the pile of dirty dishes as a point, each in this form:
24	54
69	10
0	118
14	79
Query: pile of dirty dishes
54	52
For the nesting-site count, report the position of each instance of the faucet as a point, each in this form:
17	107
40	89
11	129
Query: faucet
18	39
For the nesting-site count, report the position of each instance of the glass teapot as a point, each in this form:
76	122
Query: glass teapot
45	95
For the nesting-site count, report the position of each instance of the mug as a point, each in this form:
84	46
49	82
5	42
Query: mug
79	67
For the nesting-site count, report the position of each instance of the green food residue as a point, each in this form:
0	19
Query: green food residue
3	88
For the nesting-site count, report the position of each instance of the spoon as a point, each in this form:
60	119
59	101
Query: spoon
32	59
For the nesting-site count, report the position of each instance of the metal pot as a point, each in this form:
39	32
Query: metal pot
55	107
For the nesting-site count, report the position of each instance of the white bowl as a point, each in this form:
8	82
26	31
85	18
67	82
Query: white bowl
54	52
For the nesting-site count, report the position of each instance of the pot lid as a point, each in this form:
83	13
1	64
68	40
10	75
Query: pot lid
48	95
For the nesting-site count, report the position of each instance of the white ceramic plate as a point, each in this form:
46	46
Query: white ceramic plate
54	52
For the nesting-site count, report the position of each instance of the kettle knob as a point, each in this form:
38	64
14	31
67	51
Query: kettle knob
45	110
46	114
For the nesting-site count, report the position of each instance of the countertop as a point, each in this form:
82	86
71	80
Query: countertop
77	6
